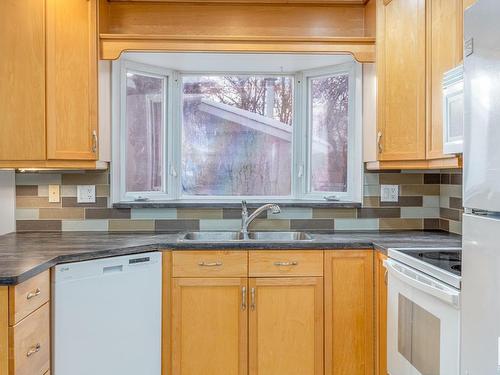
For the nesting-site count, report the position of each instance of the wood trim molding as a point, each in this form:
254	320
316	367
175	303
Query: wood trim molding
4	330
448	163
112	45
53	164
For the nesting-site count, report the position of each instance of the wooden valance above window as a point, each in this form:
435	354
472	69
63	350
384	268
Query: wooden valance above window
318	27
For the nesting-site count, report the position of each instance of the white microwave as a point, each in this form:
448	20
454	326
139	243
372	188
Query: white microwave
453	110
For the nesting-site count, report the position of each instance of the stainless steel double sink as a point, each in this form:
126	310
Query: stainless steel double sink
239	237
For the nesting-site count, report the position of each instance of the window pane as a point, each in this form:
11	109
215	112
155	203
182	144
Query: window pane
329	128
145	132
237	135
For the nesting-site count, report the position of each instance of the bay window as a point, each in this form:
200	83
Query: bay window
232	136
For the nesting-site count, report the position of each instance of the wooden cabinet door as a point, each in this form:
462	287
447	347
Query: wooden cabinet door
22	76
445	51
380	314
401	59
349	320
209	326
71	79
286	326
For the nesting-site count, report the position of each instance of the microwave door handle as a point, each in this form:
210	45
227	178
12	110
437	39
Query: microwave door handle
449	296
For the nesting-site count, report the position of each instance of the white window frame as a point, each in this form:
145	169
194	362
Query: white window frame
354	147
300	174
119	128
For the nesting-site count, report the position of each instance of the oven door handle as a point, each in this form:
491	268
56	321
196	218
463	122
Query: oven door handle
424	283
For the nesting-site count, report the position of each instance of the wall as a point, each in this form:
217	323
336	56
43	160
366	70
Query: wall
427	201
7	199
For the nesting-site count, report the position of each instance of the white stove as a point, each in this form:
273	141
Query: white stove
423	312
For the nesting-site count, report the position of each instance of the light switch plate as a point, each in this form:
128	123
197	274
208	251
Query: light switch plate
85	194
54	194
389	193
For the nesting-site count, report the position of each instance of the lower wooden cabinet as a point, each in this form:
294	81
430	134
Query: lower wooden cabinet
320	322
209	326
25	327
286	326
380	314
349	336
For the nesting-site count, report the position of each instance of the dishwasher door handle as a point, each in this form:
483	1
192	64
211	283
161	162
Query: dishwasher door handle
423	283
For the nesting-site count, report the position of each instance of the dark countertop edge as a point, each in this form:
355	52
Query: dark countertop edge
237	204
80	257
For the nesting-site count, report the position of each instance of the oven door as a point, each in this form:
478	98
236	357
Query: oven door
423	324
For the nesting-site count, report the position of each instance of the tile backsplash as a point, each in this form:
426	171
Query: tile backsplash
430	200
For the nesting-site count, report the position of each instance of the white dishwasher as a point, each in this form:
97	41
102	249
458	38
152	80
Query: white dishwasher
107	316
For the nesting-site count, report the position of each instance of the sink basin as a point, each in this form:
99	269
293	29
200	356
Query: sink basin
279	236
252	237
212	236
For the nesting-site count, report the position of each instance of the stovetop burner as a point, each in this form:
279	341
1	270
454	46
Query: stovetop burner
442	263
450	256
446	259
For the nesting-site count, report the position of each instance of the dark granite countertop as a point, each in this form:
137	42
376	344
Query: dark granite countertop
24	255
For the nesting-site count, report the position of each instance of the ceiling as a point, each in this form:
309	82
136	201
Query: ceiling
236	62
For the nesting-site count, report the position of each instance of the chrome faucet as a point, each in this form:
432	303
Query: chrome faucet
246	220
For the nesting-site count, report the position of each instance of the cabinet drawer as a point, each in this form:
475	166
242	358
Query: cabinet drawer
285	263
28	296
29	344
210	263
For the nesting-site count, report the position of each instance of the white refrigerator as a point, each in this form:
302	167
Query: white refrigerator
480	327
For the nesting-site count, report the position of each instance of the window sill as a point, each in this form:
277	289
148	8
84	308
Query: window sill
236	204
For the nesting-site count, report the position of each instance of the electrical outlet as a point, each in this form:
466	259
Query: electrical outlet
85	194
54	194
389	193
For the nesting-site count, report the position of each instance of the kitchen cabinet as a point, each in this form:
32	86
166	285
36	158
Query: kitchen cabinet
444	52
349	306
225	320
49	106
22	71
25	327
380	314
286	326
417	41
71	80
401	80
209	326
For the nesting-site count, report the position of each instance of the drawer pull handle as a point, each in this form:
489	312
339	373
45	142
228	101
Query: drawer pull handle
252	299
213	264
33	350
286	264
33	294
244	298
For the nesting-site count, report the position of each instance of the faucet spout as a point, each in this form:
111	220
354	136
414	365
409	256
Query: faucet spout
247	220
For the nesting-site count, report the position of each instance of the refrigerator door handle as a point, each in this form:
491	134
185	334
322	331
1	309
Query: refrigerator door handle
423	283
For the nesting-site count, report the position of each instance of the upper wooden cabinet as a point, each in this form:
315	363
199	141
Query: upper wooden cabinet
49	104
401	80
444	52
417	41
72	79
22	71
